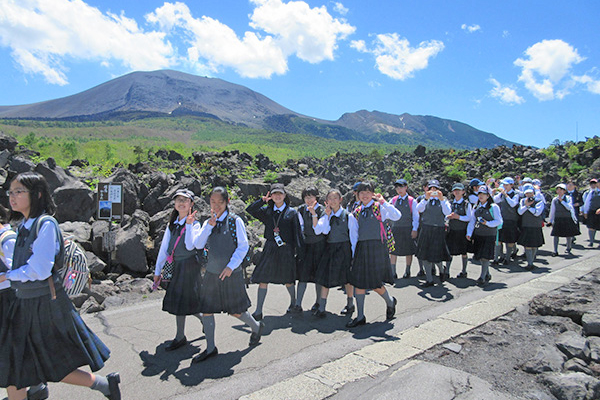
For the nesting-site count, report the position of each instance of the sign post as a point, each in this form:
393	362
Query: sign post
110	207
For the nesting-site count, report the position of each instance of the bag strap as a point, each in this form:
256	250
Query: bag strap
176	242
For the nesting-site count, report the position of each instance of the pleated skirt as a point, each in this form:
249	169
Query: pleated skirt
484	247
509	232
565	227
45	341
531	237
276	265
593	220
334	268
183	292
405	245
431	245
306	268
228	295
371	267
457	242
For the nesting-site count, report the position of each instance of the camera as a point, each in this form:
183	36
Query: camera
480	220
434	193
278	240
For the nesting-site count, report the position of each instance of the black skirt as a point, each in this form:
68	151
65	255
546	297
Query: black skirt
306	268
509	232
371	267
227	295
431	245
183	291
276	265
593	220
7	297
45	341
565	227
457	242
334	268
484	247
405	245
531	237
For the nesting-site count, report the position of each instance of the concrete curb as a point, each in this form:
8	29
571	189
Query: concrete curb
326	380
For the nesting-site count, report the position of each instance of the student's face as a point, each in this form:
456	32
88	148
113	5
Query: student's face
560	191
458	194
365	196
483	197
278	198
401	190
183	205
570	187
19	198
309	200
529	194
334	201
475	189
217	204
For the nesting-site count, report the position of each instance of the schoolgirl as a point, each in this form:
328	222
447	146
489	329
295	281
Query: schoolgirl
425	188
456	237
314	245
334	268
7	247
563	218
531	236
371	267
482	230
183	291
431	246
283	246
223	286
591	211
406	229
46	340
576	199
508	200
473	189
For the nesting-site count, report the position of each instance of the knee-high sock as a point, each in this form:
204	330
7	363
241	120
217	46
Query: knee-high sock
421	265
249	320
388	298
292	292
535	250
465	260
322	304
360	305
499	255
440	267
101	385
448	263
508	251
349	301
209	332
300	293
318	293
260	301
485	268
556	238
529	256
592	233
428	275
569	242
408	264
180	321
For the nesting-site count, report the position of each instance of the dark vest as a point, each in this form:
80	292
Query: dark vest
531	221
433	214
480	229
508	213
309	231
460	209
338	232
369	227
221	245
560	211
181	253
404	207
595	201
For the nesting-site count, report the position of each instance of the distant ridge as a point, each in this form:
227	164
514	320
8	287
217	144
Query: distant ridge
171	93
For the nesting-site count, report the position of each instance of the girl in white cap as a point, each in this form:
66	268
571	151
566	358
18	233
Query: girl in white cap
563	218
531	237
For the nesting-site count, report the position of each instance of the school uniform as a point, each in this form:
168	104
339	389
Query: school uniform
277	264
531	230
224	251
508	202
473	199
592	203
352	205
484	236
457	228
577	201
47	338
371	267
334	268
7	294
402	229
314	245
431	246
182	296
563	218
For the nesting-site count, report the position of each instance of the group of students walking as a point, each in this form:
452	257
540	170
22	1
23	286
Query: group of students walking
355	247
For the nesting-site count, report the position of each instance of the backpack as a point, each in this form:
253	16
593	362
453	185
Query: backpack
387	236
74	272
410	201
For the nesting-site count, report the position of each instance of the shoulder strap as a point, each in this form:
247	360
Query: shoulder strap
232	227
410	202
37	224
395	199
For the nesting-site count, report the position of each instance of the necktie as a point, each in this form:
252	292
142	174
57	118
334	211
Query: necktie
22	235
218	227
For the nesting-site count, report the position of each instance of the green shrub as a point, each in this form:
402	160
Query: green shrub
271	177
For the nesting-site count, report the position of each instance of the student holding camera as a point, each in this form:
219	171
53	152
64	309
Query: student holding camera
531	237
508	200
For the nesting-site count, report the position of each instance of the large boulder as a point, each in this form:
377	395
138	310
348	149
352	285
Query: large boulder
132	243
75	202
134	191
295	188
572	386
55	175
546	359
254	188
20	164
8	143
591	323
572	344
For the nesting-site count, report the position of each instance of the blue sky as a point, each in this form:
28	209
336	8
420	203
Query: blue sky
527	71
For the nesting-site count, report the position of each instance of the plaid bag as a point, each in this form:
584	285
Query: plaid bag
387	236
167	271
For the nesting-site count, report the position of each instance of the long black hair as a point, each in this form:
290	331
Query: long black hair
39	195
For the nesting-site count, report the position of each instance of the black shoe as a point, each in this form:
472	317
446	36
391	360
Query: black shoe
480	282
443	277
496	262
41	394
488	278
427	284
507	261
320	314
554	254
315	307
356	322
391	311
291	309
175	344
462	275
204	355
568	251
406	275
530	267
257	317
348	310
255	337
421	273
514	255
113	385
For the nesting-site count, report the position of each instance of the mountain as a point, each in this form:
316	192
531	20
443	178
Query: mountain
171	93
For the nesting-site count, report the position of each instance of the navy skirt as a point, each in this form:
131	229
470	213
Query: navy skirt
565	227
306	268
45	341
371	267
7	297
484	247
276	265
334	268
227	295
531	237
183	291
509	232
593	220
457	242
432	245
404	244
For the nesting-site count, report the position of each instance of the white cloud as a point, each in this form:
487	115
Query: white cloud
546	69
395	57
470	28
593	85
42	34
340	9
506	94
505	34
291	28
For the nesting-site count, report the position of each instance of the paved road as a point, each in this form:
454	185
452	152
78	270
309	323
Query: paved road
137	335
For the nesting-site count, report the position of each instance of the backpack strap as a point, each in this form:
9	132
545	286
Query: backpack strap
37	224
410	202
232	227
395	199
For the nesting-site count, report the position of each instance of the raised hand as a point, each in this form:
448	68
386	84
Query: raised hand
267	197
311	208
213	219
327	209
191	217
378	197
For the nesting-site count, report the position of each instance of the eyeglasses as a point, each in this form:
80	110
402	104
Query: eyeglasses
16	192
